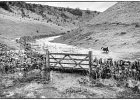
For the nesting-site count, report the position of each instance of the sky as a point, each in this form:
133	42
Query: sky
94	6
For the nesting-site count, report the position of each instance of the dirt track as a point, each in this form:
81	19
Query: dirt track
127	54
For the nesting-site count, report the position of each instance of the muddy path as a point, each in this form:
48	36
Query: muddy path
124	54
58	47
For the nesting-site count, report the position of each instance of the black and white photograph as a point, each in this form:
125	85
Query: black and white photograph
70	49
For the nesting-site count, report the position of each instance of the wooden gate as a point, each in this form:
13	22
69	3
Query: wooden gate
66	61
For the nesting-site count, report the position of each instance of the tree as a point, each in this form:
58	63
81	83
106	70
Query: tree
77	11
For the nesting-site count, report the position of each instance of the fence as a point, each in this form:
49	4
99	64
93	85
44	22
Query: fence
97	68
119	70
11	62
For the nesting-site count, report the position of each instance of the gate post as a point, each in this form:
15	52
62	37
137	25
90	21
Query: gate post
46	67
90	67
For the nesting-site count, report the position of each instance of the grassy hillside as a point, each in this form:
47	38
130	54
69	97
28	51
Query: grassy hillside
19	28
66	17
117	27
12	27
121	13
19	19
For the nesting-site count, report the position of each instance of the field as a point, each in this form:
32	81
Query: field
23	79
27	30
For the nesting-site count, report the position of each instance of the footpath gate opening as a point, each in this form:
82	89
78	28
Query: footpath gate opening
68	62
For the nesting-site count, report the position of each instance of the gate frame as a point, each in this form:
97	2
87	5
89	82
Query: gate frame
46	68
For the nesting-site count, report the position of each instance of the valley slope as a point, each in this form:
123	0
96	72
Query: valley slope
117	28
19	19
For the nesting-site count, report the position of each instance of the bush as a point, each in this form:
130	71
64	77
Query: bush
5	6
37	31
122	33
76	11
64	16
137	25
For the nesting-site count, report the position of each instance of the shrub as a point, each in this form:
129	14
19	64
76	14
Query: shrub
137	25
122	33
76	11
5	6
64	16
